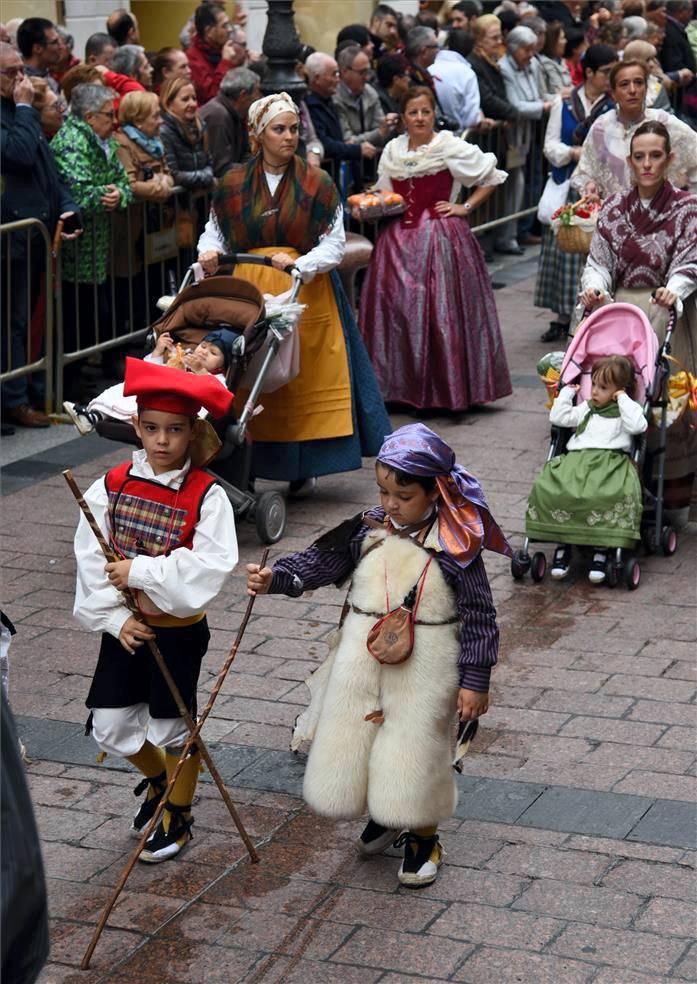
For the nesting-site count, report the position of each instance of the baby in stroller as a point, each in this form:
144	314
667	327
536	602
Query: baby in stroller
211	356
592	494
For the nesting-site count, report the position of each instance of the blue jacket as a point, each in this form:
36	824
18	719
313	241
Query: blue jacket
328	127
31	185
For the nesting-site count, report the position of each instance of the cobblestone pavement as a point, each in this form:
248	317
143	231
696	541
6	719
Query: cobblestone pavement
571	857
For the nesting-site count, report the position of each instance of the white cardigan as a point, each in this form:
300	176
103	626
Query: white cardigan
609	433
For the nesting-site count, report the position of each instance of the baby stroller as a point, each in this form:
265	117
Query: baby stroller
619	329
223	301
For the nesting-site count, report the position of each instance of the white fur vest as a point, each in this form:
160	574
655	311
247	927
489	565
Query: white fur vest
398	771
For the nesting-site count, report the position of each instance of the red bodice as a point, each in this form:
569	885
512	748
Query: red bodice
147	518
422	193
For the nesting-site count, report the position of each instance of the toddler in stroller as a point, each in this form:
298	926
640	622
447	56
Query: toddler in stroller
592	494
211	356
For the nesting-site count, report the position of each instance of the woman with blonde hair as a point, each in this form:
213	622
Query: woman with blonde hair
141	150
184	137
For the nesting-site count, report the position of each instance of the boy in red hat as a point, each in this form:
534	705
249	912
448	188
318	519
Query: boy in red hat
174	529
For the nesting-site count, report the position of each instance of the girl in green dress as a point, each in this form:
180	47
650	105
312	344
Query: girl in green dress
592	494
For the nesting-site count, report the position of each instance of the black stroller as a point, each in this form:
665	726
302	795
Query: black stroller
223	301
619	328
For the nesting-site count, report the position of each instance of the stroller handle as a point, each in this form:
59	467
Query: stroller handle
232	259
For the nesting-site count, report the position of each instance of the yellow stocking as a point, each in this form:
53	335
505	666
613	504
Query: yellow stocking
150	760
185	786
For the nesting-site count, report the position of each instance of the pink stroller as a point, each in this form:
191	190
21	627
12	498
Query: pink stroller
619	329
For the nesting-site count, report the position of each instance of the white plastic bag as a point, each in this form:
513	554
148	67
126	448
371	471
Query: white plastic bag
553	197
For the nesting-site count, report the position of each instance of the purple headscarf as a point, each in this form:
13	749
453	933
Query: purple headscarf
465	525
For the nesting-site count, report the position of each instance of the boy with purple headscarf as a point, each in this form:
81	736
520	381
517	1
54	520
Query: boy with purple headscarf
382	732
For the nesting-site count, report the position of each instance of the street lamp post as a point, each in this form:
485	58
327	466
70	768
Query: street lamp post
282	47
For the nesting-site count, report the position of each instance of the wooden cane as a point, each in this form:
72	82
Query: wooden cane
194	729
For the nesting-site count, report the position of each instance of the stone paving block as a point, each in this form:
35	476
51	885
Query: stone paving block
580	903
518	967
610	975
664	712
69	941
572	774
668	917
521	719
195	963
668	822
290	970
402	952
623	848
397	912
56	824
659	785
651	689
279	771
548	862
262	735
620	948
596	705
651	666
43	732
487	887
542	748
652	879
607	729
484	924
687	968
586	812
654	759
494	799
285	934
473	830
262	711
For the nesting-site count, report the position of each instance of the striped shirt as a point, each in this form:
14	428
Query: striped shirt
316	567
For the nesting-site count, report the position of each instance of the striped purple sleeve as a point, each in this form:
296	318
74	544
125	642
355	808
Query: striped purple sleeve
479	633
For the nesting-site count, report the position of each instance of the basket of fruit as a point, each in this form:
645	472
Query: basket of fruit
369	206
574	225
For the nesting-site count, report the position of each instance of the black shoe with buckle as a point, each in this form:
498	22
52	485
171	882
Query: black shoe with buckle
165	844
146	810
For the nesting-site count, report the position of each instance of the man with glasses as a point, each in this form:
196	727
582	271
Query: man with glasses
40	47
31	188
358	104
322	80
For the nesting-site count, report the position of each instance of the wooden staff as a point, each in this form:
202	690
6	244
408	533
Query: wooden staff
194	729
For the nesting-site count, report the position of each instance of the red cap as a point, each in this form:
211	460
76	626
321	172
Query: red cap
173	391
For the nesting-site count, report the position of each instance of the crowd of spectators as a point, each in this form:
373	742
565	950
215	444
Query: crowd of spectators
82	138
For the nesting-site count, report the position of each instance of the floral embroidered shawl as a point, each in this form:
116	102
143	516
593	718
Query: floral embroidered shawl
643	246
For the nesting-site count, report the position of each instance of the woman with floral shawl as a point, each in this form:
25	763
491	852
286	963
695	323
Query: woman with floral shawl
277	205
644	251
382	731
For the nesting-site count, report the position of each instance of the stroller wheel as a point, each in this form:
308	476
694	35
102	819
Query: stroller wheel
520	565
538	566
270	517
648	538
612	573
632	574
669	541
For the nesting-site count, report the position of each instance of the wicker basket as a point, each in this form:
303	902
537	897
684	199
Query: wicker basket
572	239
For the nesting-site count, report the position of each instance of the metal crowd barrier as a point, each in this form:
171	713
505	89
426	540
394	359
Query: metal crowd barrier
150	245
27	282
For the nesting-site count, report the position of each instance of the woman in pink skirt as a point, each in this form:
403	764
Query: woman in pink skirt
427	311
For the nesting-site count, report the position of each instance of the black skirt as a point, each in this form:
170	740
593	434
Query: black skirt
123	679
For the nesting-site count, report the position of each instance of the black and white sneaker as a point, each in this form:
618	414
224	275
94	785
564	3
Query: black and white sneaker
598	570
165	844
375	839
146	810
561	562
85	420
423	856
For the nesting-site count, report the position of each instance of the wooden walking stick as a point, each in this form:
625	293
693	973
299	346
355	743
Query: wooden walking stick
194	729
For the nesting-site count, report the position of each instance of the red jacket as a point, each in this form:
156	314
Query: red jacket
121	84
205	73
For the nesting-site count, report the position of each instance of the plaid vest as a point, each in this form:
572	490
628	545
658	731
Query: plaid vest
149	519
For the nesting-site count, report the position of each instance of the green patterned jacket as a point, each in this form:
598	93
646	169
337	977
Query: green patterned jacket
83	163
